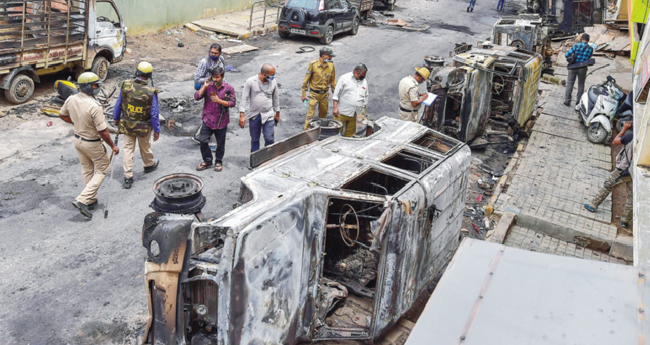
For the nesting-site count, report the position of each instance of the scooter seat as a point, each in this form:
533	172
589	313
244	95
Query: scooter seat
593	94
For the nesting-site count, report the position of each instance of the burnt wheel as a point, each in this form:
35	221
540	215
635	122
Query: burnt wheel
329	35
100	67
355	26
20	89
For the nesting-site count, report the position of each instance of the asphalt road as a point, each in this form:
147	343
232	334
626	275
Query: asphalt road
66	280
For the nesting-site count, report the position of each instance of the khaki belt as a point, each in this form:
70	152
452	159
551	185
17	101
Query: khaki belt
408	111
319	91
88	140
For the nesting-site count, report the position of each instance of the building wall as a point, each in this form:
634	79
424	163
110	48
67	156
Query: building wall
145	16
640	172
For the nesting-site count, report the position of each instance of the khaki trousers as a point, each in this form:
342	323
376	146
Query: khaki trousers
349	125
320	100
408	115
95	164
145	152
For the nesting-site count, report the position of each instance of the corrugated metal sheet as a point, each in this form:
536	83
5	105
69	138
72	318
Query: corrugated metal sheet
497	295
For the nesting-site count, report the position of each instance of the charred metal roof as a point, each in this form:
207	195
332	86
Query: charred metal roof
332	163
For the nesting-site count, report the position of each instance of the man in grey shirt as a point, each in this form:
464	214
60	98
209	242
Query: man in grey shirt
261	96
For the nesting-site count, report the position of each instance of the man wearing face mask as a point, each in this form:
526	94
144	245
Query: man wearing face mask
262	96
137	115
207	64
91	136
409	97
218	97
320	77
351	98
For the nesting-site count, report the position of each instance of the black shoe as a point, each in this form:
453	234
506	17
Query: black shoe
567	103
128	182
83	208
92	205
151	168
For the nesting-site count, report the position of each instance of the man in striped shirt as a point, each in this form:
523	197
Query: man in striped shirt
582	53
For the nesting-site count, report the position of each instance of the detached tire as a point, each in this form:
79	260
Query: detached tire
20	90
100	67
329	36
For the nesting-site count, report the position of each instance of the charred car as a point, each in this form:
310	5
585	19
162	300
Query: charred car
334	239
526	32
495	81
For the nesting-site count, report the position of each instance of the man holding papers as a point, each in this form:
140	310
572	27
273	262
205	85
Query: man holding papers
409	97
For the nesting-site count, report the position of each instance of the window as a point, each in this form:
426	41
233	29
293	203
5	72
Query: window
410	161
376	182
309	5
434	142
106	13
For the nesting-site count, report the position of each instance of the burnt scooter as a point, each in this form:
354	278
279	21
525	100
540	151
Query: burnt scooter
66	88
597	108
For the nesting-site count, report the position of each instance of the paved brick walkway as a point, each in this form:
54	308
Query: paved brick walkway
520	237
558	172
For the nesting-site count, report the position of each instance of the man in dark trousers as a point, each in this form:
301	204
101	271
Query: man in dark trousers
218	96
582	52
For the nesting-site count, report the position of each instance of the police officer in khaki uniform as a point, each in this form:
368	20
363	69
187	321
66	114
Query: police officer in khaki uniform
320	77
91	136
409	97
137	114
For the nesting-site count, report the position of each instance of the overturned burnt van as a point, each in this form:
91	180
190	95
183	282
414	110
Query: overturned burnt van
493	81
333	239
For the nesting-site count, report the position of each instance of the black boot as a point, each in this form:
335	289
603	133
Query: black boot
83	208
128	181
92	205
151	168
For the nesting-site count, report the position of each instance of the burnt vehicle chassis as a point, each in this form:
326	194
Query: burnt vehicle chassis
498	82
333	239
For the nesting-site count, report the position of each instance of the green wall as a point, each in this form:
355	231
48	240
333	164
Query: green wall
142	16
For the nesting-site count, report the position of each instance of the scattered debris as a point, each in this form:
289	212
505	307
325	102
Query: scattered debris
398	22
239	49
230	68
547	78
233	40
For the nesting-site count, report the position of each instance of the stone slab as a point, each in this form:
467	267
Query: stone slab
525	238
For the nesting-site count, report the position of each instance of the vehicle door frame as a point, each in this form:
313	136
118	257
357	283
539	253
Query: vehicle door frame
349	13
336	15
103	42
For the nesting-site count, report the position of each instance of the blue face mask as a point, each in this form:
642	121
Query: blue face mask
328	60
270	77
214	58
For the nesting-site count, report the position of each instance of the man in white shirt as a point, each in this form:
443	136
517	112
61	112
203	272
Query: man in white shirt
351	98
261	94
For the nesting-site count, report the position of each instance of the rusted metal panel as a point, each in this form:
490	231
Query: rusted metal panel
282	266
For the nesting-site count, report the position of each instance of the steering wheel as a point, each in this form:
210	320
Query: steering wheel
497	88
345	228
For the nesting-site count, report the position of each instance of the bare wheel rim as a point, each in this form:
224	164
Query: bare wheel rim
329	35
102	71
21	91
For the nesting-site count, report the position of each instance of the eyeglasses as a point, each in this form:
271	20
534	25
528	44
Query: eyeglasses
215	53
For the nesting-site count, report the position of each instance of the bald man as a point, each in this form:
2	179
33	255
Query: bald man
262	98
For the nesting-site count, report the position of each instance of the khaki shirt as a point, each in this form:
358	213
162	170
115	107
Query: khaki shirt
408	92
318	77
86	115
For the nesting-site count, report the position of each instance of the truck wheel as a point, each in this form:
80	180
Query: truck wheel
20	90
355	26
329	35
100	67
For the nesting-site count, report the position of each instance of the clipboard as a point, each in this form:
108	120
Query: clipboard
430	99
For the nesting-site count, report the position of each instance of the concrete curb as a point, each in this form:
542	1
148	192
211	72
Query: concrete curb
500	232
